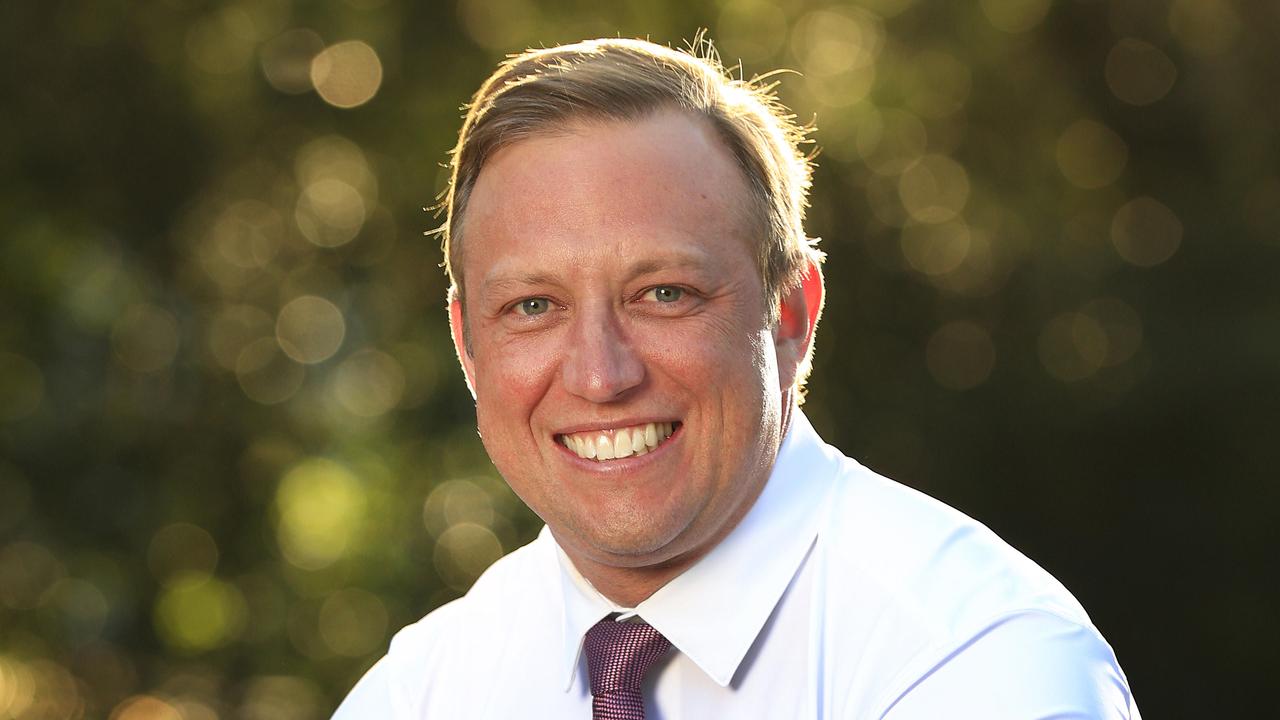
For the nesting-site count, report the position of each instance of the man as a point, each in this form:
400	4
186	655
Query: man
633	303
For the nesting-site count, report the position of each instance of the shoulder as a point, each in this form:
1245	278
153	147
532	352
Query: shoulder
953	613
515	578
436	660
1020	665
918	553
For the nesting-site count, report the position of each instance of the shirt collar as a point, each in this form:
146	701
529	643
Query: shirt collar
583	607
714	610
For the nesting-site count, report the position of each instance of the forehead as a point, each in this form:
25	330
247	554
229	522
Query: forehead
618	187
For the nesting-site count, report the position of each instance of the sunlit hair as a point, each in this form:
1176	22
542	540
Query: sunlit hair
538	91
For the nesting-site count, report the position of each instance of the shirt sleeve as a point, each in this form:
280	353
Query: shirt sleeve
371	697
1028	666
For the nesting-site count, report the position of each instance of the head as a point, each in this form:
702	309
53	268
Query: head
633	297
538	92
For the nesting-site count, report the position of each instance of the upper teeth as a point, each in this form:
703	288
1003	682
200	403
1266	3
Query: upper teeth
618	442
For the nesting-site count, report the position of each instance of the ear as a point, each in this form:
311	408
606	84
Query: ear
799	309
457	327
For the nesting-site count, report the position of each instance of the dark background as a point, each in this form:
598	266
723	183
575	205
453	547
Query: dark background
235	451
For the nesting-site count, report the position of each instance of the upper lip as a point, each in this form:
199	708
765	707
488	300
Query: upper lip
598	426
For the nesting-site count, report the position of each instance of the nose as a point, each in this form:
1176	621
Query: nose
601	364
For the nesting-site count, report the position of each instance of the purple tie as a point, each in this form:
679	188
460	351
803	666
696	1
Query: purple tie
618	656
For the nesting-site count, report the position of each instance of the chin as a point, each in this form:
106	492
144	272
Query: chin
625	544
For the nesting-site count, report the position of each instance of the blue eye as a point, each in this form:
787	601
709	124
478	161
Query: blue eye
667	293
533	306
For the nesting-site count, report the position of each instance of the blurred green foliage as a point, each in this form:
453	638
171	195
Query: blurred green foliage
235	455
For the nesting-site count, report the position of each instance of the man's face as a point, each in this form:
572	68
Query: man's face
612	298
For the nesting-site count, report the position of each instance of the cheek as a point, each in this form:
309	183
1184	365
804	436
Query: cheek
740	359
730	376
513	361
510	380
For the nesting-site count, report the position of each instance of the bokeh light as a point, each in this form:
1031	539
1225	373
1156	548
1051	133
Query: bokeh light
330	213
936	249
1145	232
28	571
1073	346
83	607
347	74
38	689
464	551
281	697
1091	155
1138	72
1121	324
338	158
232	328
934	190
892	141
286	60
837	49
830	42
457	501
369	383
1205	27
310	329
98	285
196	612
266	374
145	707
321	507
248	234
1015	16
17	687
182	548
338	191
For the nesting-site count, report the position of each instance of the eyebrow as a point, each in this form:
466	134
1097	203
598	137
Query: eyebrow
497	284
494	285
648	266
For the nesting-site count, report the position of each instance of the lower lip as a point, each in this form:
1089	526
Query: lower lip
625	464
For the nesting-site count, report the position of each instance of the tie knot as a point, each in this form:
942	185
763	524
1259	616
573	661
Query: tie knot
620	653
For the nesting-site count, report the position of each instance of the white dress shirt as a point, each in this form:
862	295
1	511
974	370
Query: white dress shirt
841	594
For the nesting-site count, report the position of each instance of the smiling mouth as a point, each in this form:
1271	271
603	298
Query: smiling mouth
618	443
